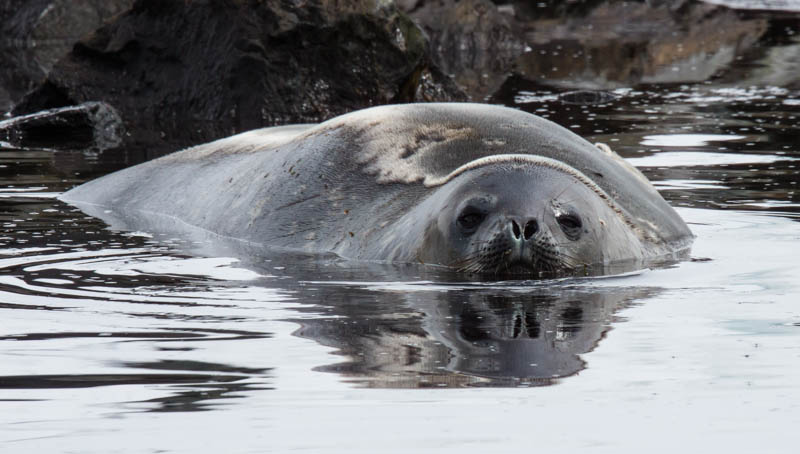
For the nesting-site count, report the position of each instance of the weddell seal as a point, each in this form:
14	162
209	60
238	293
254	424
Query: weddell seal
478	188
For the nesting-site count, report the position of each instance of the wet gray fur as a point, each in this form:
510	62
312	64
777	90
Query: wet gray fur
359	184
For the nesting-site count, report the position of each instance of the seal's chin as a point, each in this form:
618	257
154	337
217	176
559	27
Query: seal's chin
534	269
518	267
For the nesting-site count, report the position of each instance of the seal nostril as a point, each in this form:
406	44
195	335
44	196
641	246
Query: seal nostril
515	229
530	229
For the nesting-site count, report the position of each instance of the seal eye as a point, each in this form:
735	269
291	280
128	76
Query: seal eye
470	219
571	224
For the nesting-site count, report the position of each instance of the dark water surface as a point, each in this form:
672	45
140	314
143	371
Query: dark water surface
132	342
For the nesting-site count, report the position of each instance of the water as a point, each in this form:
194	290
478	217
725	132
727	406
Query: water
138	342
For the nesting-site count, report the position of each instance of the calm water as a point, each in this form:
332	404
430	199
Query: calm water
124	342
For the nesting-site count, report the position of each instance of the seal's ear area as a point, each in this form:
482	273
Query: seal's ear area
604	148
625	164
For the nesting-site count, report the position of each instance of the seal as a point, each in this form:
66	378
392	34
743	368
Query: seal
474	187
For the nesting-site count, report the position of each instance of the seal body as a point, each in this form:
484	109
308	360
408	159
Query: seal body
475	187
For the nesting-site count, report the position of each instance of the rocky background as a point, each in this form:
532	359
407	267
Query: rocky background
163	74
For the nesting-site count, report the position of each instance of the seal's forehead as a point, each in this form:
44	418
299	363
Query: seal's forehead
506	162
425	143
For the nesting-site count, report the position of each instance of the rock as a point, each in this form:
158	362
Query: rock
587	97
588	44
548	10
37	33
471	40
758	5
623	44
90	126
182	73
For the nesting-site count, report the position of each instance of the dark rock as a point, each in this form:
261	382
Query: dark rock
587	97
525	11
37	33
623	44
758	5
181	73
586	44
774	61
90	126
471	40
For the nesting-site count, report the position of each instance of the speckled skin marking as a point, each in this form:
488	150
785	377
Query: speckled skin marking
387	183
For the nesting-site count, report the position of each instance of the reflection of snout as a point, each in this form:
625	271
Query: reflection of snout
535	342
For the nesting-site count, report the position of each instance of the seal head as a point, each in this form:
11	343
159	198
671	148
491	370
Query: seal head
523	217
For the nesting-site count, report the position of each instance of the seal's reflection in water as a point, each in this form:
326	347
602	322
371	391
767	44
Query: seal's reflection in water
421	326
505	335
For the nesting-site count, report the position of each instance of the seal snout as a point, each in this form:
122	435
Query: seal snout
520	233
523	234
